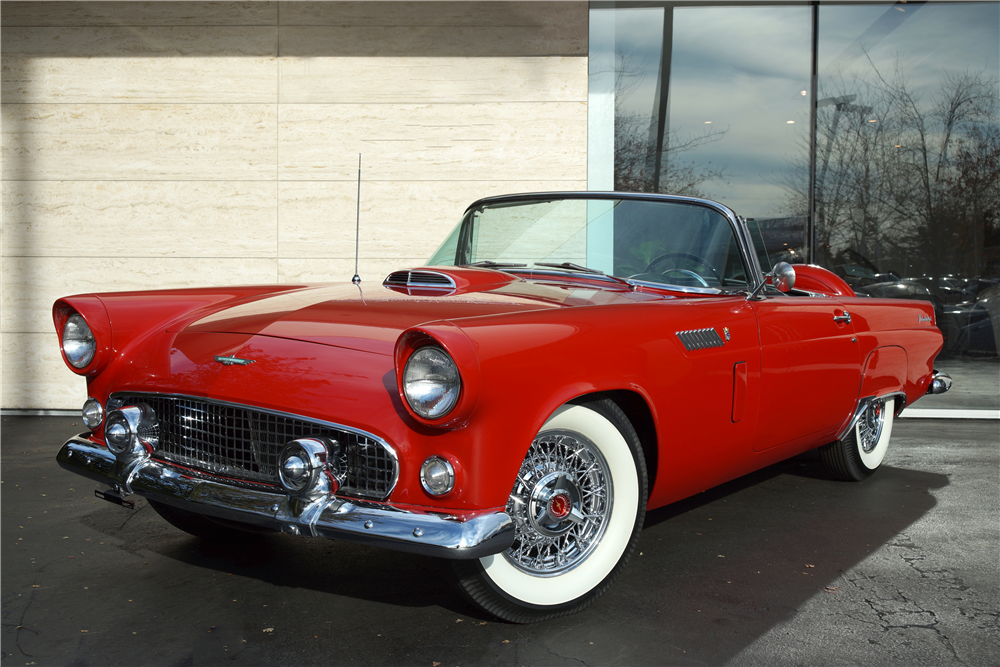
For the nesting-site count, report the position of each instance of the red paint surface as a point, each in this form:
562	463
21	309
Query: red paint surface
787	379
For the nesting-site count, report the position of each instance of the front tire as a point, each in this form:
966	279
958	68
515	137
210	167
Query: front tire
578	504
863	449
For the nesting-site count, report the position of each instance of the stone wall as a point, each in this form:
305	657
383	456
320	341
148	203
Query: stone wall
175	144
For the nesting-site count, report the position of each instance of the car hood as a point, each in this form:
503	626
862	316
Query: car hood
371	317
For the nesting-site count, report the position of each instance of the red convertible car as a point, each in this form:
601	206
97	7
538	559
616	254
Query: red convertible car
563	363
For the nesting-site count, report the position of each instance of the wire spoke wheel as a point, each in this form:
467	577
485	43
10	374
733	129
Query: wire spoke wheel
870	426
560	503
578	501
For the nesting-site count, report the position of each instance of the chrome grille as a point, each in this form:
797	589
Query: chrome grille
243	443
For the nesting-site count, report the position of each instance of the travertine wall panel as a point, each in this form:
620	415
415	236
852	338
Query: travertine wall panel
35	376
189	219
115	13
432	80
393	41
176	144
372	270
29	290
140	64
433	142
68	142
317	219
557	21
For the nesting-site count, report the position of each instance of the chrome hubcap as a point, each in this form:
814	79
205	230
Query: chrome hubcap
870	426
560	504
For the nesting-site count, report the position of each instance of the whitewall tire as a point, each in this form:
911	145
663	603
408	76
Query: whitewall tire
863	449
578	504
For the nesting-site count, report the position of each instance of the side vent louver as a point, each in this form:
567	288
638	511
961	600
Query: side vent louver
419	279
700	339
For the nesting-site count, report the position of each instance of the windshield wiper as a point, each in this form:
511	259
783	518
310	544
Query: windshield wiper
570	266
490	264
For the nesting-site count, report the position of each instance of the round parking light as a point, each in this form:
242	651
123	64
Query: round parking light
437	476
93	413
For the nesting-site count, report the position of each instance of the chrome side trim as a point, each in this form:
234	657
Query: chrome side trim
898	396
440	534
670	287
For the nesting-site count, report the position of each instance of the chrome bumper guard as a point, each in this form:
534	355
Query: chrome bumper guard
472	535
940	383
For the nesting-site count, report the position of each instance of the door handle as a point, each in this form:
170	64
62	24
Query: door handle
845	318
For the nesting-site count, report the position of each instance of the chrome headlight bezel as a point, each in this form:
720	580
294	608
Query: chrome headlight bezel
437	476
78	342
431	382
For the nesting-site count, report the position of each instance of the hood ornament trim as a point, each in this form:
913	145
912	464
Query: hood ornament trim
233	361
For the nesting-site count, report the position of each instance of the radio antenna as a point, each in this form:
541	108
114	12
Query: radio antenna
357	228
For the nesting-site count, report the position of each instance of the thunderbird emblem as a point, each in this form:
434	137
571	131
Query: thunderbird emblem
233	361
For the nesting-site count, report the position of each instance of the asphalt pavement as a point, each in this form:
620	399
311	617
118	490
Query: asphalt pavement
782	567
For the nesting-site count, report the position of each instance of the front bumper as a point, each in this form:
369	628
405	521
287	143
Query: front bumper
457	536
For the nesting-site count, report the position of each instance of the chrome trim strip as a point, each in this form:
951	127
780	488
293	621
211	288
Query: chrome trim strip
389	448
670	287
863	405
440	534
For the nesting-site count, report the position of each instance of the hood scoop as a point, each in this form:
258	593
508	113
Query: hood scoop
456	280
437	283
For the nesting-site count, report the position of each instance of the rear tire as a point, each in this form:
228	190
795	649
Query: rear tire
578	504
202	526
863	449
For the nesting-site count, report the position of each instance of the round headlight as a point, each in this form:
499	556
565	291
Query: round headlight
431	382
437	476
78	342
93	413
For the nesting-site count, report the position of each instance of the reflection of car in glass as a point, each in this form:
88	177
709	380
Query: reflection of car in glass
966	327
857	271
506	407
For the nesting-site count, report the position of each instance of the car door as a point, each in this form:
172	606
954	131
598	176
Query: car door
810	370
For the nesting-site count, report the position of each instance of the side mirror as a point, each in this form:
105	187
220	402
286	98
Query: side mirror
782	277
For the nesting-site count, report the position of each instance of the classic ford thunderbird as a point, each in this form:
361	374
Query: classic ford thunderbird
563	363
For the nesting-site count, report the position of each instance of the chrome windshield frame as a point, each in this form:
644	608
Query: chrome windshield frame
736	223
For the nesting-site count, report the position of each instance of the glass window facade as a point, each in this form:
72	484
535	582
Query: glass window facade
862	137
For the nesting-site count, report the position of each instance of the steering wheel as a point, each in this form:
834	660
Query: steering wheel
700	260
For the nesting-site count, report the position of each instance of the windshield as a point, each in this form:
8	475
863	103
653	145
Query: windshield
676	243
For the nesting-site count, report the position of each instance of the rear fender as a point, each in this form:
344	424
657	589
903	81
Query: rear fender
885	373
